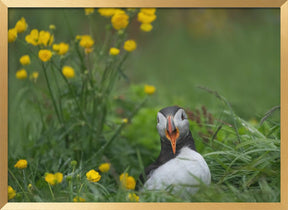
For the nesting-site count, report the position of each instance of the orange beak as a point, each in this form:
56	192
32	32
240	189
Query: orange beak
172	133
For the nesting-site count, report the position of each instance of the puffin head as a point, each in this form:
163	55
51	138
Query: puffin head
172	125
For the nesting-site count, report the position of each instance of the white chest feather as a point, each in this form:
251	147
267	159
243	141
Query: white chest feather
186	171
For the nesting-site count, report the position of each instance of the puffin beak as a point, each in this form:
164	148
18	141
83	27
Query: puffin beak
172	133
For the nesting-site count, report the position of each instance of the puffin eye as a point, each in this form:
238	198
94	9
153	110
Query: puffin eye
182	116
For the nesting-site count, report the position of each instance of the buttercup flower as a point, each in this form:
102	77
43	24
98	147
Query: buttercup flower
108	12
45	55
21	25
127	181
54	178
78	199
146	18
130	45
32	38
133	197
45	38
61	48
68	72
89	11
146	27
25	60
59	177
149	89
148	11
120	20
52	27
114	51
104	167
21	74
12	35
125	120
34	76
93	176
39	38
11	193
86	41
21	164
30	187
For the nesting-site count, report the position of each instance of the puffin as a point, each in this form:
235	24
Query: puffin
179	167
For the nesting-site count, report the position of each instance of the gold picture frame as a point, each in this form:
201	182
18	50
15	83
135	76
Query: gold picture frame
5	4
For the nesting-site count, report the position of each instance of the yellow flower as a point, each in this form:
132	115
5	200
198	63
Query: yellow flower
104	167
108	12
146	27
120	20
149	89
68	72
11	193
123	176
51	40
21	164
78	199
114	51
127	181
39	38
30	187
93	176
148	11
130	183
32	38
89	11
59	177
133	197
52	27
34	76
54	178
21	74
61	48
130	45
125	120
21	25
12	35
25	60
86	41
145	18
45	38
45	55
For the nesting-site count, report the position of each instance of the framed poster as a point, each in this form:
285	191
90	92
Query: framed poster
86	80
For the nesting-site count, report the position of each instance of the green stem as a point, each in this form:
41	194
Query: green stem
68	24
51	191
72	91
75	97
51	94
229	106
35	98
71	190
119	129
11	173
58	90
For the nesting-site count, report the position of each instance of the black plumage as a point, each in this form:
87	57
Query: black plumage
166	153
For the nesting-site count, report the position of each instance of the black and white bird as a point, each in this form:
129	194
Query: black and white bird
179	166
